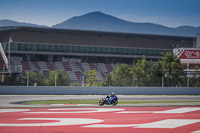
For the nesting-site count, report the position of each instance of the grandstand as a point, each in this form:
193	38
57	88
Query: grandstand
3	60
76	51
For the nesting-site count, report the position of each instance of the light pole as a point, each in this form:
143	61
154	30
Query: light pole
27	80
55	78
188	82
136	83
83	78
9	65
108	84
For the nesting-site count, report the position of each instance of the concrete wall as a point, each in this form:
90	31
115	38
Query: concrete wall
50	90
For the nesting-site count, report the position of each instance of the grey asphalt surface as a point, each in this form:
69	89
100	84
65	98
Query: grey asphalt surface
7	100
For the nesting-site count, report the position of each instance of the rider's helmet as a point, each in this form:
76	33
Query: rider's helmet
113	94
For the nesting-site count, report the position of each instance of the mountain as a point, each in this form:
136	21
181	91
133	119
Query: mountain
6	22
99	21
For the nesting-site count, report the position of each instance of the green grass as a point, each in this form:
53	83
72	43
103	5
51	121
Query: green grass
64	102
138	102
97	101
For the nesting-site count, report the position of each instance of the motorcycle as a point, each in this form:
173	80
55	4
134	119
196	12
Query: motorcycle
108	101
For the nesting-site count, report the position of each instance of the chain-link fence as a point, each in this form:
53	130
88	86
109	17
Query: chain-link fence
153	82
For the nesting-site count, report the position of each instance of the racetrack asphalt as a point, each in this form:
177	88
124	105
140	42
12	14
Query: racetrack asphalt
59	118
8	100
101	120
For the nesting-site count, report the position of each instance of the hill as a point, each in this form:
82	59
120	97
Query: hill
6	22
99	21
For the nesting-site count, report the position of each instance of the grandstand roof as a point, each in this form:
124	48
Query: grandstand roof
92	38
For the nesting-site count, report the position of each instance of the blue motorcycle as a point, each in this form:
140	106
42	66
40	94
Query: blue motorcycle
108	101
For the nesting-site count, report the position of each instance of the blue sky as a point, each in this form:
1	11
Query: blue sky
171	13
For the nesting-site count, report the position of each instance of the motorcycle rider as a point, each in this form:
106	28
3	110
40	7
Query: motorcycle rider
111	96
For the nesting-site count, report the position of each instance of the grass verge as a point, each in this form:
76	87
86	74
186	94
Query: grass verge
97	101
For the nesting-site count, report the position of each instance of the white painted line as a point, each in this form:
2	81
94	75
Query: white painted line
13	110
57	104
169	123
110	125
59	122
84	104
82	110
132	112
178	110
196	131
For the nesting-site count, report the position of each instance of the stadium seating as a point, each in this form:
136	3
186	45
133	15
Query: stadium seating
3	60
80	66
109	67
99	76
67	66
42	65
75	70
35	65
93	66
86	67
102	67
46	74
114	66
59	66
72	76
25	65
50	66
2	64
78	75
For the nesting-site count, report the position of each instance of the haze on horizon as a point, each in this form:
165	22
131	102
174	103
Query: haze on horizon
171	13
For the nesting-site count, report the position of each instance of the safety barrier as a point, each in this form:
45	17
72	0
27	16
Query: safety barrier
50	90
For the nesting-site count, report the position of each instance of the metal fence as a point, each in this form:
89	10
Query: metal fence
157	82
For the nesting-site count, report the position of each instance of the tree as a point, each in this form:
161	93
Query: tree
35	77
107	81
60	77
142	71
195	80
170	68
91	78
121	76
41	79
63	78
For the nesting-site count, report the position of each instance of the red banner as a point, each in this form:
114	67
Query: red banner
186	53
190	54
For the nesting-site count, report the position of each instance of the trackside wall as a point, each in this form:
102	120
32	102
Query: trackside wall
51	90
